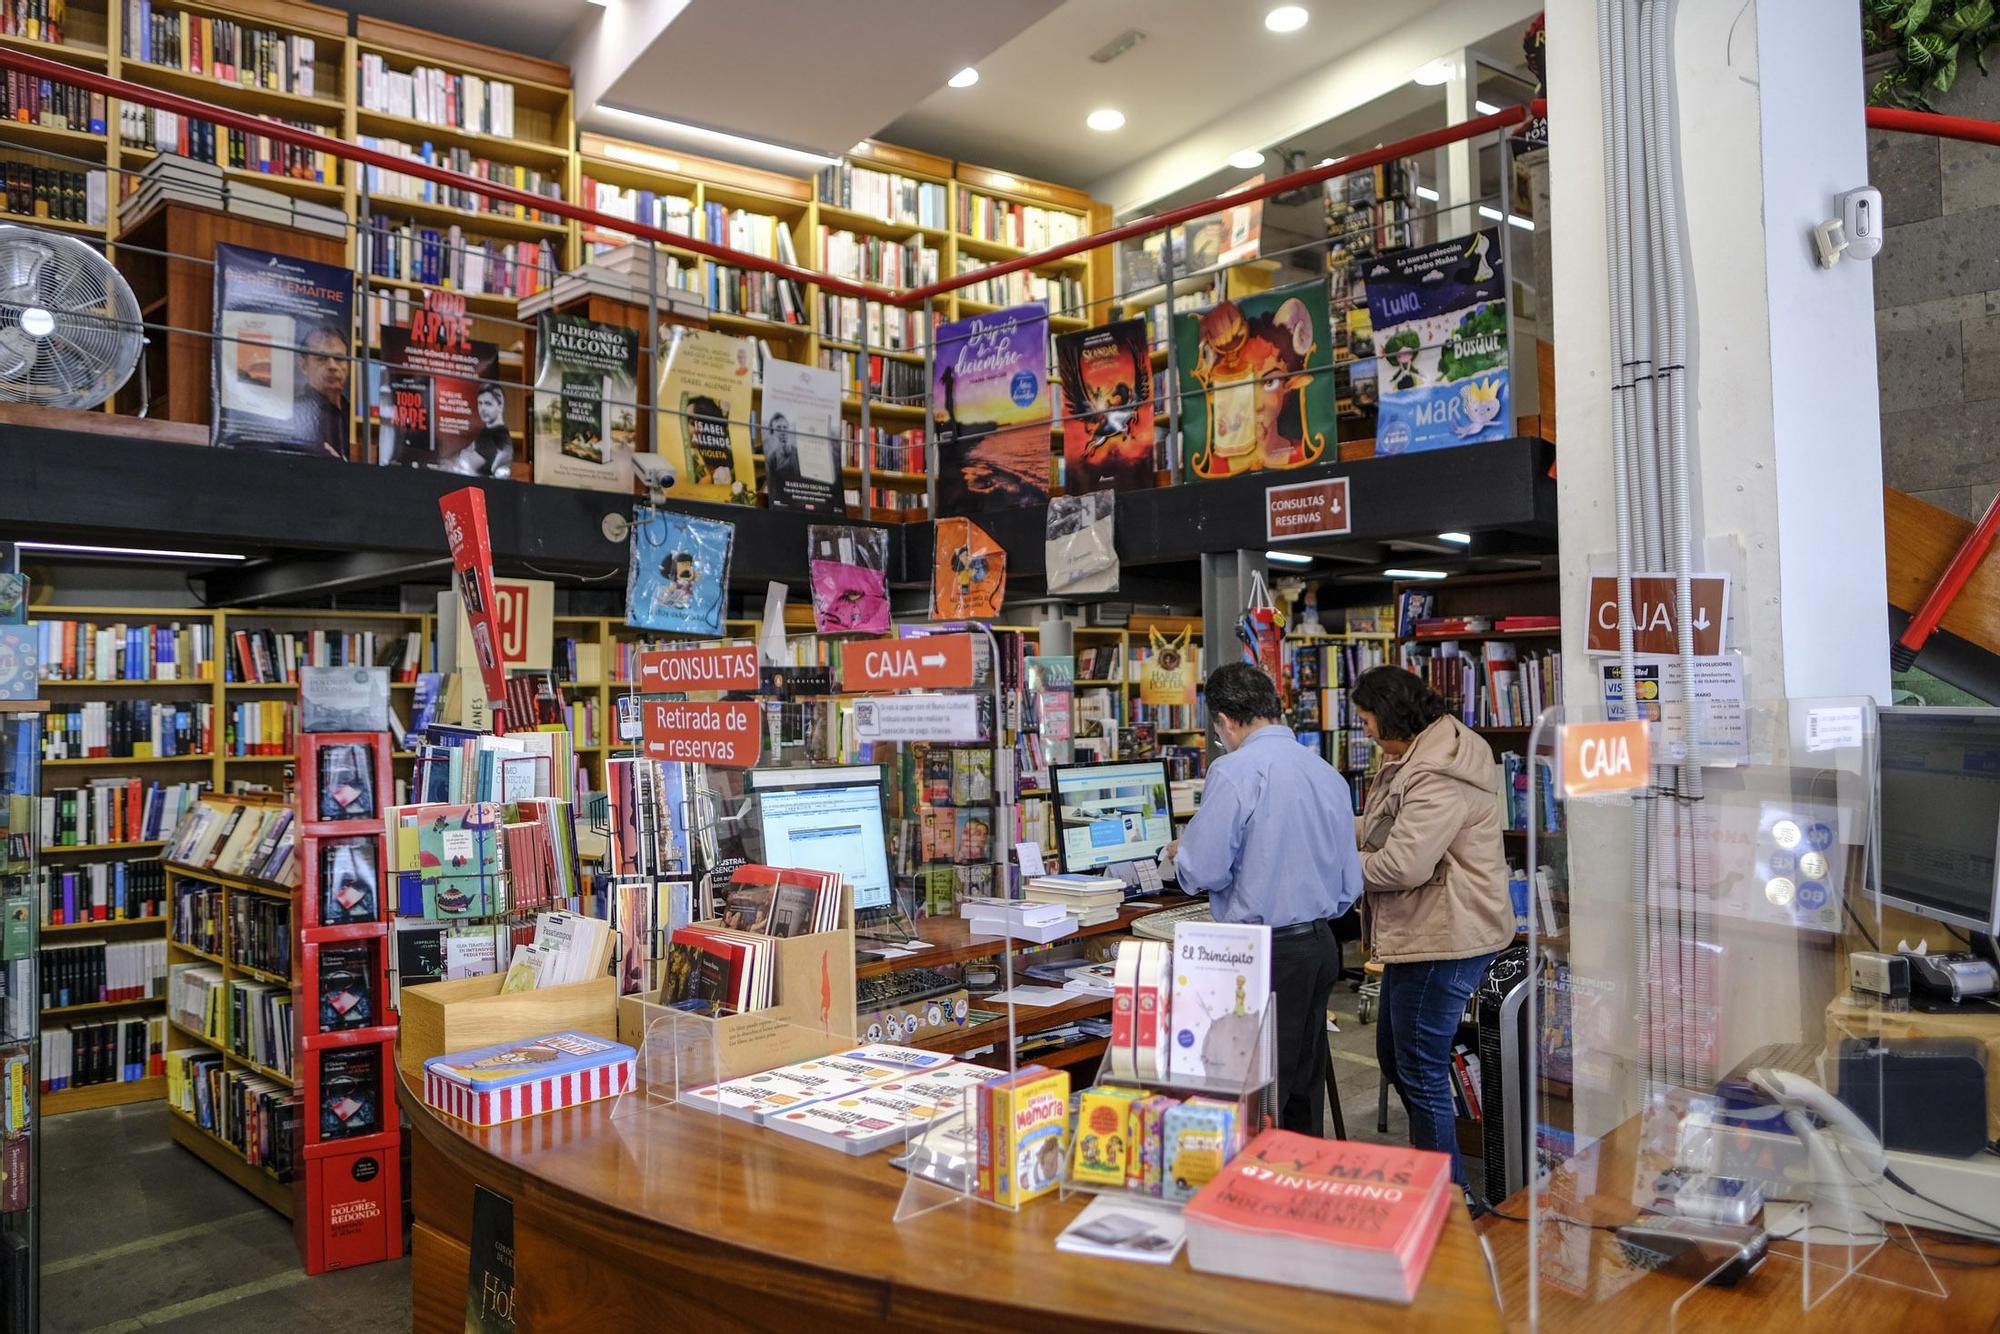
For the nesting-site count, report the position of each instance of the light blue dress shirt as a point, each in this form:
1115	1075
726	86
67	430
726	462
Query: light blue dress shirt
1273	838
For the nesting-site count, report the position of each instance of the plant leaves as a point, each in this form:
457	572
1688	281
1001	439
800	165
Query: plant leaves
1947	72
1924	49
1914	17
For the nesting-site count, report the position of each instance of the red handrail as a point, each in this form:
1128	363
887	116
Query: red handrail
1881	118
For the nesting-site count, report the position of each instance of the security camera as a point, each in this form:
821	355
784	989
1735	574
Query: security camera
655	471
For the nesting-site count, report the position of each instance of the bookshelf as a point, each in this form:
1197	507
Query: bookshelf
1119	684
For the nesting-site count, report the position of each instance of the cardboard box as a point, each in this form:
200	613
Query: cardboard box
444	1017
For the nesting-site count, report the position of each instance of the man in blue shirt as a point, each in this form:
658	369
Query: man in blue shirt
1273	842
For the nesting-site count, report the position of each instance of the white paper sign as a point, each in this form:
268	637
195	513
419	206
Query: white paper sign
918	718
1833	729
1720	731
1028	856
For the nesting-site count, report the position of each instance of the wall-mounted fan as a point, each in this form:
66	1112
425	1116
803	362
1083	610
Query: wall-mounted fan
70	331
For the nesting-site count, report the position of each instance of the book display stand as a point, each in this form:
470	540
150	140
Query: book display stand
348	1209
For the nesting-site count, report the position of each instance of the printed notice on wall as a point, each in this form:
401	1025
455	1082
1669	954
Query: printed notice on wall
1714	730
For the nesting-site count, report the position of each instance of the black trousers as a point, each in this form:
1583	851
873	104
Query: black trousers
1304	968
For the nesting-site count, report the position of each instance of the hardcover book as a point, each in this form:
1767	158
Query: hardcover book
1221	984
586	409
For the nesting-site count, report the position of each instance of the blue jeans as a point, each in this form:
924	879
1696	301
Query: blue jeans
1421	1006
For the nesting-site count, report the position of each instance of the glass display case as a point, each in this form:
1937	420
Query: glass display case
20	1016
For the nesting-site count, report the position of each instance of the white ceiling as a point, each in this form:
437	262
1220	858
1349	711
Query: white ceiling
532	27
1200	59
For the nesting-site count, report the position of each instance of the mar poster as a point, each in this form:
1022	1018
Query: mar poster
586	416
281	365
1440	317
1257	387
799	423
440	403
990	407
1107	387
704	403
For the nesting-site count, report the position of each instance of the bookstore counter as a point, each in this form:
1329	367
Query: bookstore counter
678	1218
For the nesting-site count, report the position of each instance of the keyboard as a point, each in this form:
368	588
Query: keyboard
1160	925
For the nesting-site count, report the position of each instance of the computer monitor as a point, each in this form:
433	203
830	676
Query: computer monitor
1107	814
827	820
1940	814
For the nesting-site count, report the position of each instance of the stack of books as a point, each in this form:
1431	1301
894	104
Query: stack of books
1016	919
1360	1219
619	274
1091	899
173	178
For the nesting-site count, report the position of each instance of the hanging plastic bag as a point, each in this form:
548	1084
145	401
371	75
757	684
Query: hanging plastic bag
1168	677
969	580
678	578
1262	631
1080	554
849	567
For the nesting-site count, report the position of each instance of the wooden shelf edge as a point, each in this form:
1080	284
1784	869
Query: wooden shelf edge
90	1097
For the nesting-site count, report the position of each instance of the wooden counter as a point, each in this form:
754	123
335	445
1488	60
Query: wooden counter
677	1219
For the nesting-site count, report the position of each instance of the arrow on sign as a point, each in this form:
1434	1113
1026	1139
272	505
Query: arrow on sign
933	659
1701	621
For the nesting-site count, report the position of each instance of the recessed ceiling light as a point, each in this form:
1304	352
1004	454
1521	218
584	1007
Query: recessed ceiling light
1104	118
1456	539
965	78
1486	108
1286	18
1289	557
1397	572
1435	72
1248	158
152	553
1425	192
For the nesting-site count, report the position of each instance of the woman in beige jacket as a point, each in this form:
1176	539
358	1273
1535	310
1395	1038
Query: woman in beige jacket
1436	889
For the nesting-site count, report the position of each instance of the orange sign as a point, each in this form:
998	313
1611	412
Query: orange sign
729	734
1653	629
1605	757
934	662
718	667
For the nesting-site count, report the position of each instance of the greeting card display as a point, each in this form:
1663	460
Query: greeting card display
678	578
850	589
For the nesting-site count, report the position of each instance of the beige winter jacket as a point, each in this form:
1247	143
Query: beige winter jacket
1431	856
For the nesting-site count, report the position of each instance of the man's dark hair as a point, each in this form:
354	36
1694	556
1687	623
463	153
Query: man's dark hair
1243	694
1402	704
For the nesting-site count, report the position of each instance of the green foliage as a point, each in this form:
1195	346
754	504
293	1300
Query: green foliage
1490	320
1928	39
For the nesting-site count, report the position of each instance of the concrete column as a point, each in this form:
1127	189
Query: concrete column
1461	163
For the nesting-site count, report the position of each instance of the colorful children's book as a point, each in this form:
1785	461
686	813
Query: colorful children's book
1221	984
1104	1149
1196	1139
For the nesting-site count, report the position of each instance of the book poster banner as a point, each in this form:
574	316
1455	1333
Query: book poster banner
970	579
990	406
1440	319
1257	384
281	370
1168	676
440	404
585	423
704	416
799	424
1107	388
678	580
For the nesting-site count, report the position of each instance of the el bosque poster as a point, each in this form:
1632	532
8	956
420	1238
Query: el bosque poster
1440	317
438	405
990	405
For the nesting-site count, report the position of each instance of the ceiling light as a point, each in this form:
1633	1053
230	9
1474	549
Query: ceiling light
1456	539
1425	192
965	78
1436	72
1289	557
737	141
1286	18
1486	108
1492	214
1397	572
1248	158
1104	118
73	549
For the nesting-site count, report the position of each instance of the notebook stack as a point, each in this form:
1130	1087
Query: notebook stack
1091	899
1016	919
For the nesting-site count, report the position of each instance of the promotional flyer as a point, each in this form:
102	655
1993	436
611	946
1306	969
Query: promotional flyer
799	424
704	403
441	403
1107	385
1256	385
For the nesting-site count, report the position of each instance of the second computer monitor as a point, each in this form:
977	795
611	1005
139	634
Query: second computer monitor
1107	814
827	820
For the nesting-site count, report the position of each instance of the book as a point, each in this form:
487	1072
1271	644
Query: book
1123	1229
1023	1123
882	1114
489	1285
1102	1151
1221	984
755	1097
1152	1029
284	328
585	419
1336	1215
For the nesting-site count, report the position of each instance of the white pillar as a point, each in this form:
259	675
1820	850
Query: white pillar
1461	163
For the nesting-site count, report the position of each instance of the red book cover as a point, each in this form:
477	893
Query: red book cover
1370	1198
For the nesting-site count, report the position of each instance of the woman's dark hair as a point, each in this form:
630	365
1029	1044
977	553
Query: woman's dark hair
1402	704
1243	694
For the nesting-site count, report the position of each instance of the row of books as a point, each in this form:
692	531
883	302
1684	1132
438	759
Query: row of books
1061	293
870	259
51	104
237	839
172	178
1028	226
275	656
1519	807
198	916
123	891
586	723
93	972
88	651
383	183
451	259
220	48
260	727
764	296
668	212
889	327
1465	1082
888	378
260	1024
170	132
887	195
1154	1144
459	766
50	192
36	20
128	729
261	933
256	1115
19	1006
197	1000
118	1051
114	810
1495	687
437	97
1100	662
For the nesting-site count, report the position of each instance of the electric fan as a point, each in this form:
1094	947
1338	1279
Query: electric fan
70	332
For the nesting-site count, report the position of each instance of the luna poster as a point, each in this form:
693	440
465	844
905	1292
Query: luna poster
678	580
1107	384
1440	317
1257	388
282	357
990	407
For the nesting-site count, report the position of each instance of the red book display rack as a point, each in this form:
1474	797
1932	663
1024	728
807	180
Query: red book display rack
349	1201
